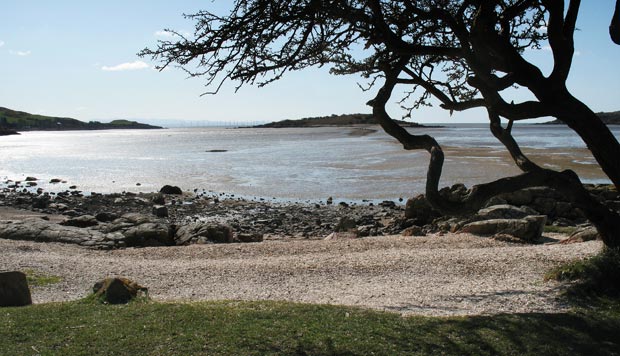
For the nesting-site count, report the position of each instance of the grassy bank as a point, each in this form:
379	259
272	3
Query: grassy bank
258	328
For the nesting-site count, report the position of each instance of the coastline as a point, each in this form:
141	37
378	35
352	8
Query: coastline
305	254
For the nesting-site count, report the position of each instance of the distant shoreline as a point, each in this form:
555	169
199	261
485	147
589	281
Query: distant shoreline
346	120
11	122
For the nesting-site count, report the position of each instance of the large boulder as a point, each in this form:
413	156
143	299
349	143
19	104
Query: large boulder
40	230
118	290
81	221
14	291
169	189
420	211
505	211
582	235
201	233
528	229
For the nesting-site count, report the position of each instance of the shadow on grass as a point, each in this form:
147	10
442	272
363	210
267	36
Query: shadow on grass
260	328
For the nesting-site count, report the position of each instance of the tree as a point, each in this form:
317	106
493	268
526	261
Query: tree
462	53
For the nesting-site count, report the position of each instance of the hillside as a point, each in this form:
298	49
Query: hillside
332	120
11	121
609	118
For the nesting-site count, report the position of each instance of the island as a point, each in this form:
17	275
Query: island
609	118
11	122
334	120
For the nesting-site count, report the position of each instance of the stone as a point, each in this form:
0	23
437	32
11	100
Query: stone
81	221
520	197
34	229
160	211
148	234
420	209
14	291
55	180
169	189
582	235
203	233
249	237
118	290
505	211
528	229
40	202
413	231
388	204
348	235
106	216
31	179
159	199
345	224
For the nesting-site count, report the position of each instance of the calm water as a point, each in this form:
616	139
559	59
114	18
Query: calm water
298	164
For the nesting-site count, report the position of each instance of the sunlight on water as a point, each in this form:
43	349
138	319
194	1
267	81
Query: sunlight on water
286	163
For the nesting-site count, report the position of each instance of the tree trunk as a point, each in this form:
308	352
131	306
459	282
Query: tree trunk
596	135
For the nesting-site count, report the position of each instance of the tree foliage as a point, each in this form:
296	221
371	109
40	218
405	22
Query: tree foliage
461	53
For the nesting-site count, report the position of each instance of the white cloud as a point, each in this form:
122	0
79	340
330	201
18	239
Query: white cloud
136	65
1	43
168	34
20	53
164	34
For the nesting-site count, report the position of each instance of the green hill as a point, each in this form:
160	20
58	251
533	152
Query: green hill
609	118
11	120
332	120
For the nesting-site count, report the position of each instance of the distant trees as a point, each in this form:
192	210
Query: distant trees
461	53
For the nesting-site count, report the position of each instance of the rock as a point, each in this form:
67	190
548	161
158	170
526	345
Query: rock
342	236
39	230
55	180
106	216
40	202
81	221
118	290
388	204
148	234
160	211
520	197
506	211
330	201
31	179
249	237
203	233
413	231
159	199
169	189
345	224
420	210
528	229
14	291
582	235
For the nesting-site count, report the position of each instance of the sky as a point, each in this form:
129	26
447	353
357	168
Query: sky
75	58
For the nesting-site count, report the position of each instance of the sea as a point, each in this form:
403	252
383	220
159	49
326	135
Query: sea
290	164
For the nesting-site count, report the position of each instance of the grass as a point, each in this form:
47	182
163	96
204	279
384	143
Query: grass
277	328
88	327
593	278
38	279
560	229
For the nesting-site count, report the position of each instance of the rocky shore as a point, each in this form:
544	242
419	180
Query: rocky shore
172	217
447	269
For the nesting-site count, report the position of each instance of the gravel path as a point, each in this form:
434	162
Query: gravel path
432	275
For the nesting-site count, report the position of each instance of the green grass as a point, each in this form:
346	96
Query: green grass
593	278
560	229
39	279
263	328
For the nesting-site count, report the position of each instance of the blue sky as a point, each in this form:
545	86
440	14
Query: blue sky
78	59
